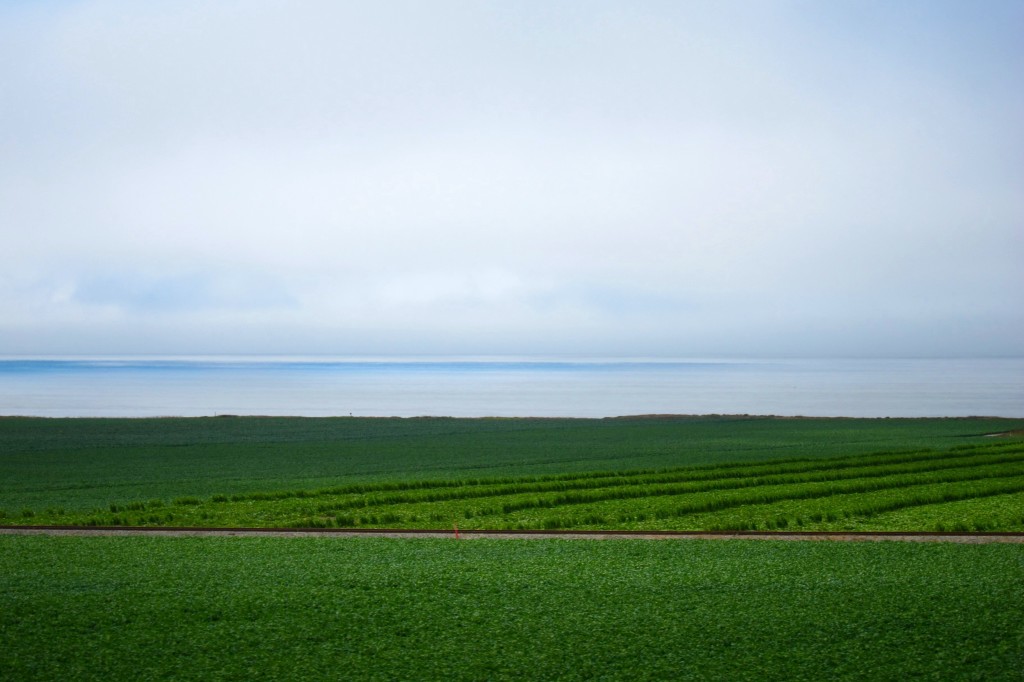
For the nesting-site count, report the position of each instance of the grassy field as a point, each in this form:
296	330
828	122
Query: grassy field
709	473
138	608
91	462
984	484
308	608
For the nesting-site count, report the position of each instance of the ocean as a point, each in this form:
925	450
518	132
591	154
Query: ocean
478	387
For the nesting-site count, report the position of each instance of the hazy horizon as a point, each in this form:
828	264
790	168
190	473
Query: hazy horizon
487	358
480	387
588	178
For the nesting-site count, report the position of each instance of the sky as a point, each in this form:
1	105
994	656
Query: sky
569	177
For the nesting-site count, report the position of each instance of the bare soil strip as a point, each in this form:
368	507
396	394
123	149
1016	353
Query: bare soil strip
840	536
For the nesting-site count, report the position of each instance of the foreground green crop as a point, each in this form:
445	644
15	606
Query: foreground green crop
310	608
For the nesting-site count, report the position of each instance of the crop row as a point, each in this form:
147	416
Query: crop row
704	501
866	478
362	496
397	492
534	510
595	479
669	483
857	510
84	465
511	499
843	511
995	512
816	492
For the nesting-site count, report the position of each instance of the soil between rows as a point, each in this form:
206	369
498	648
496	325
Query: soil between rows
892	536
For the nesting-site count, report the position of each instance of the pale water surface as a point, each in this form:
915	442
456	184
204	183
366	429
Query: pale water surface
192	386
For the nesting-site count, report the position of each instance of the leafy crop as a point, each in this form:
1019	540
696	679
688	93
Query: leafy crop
324	608
310	608
859	492
82	464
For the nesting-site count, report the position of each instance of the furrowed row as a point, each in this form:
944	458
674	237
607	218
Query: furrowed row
996	512
960	471
589	480
710	501
709	472
674	484
862	507
736	514
723	486
830	512
705	503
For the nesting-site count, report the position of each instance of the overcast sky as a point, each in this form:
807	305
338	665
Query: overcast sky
599	178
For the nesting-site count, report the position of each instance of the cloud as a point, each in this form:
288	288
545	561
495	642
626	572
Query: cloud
150	295
490	177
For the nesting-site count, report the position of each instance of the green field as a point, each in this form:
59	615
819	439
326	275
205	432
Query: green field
310	608
138	608
681	473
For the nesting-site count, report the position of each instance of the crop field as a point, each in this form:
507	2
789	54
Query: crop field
311	608
686	473
83	608
975	485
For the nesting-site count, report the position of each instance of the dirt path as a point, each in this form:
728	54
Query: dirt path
968	538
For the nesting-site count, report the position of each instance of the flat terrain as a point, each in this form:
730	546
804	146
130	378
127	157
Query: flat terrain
666	473
456	534
278	607
84	463
314	608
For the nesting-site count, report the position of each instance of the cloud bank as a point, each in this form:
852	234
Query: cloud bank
652	178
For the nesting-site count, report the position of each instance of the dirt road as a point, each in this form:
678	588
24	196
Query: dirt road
969	538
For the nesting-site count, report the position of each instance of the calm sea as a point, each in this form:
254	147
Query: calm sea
191	386
197	386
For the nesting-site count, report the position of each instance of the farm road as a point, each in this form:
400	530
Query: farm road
967	538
